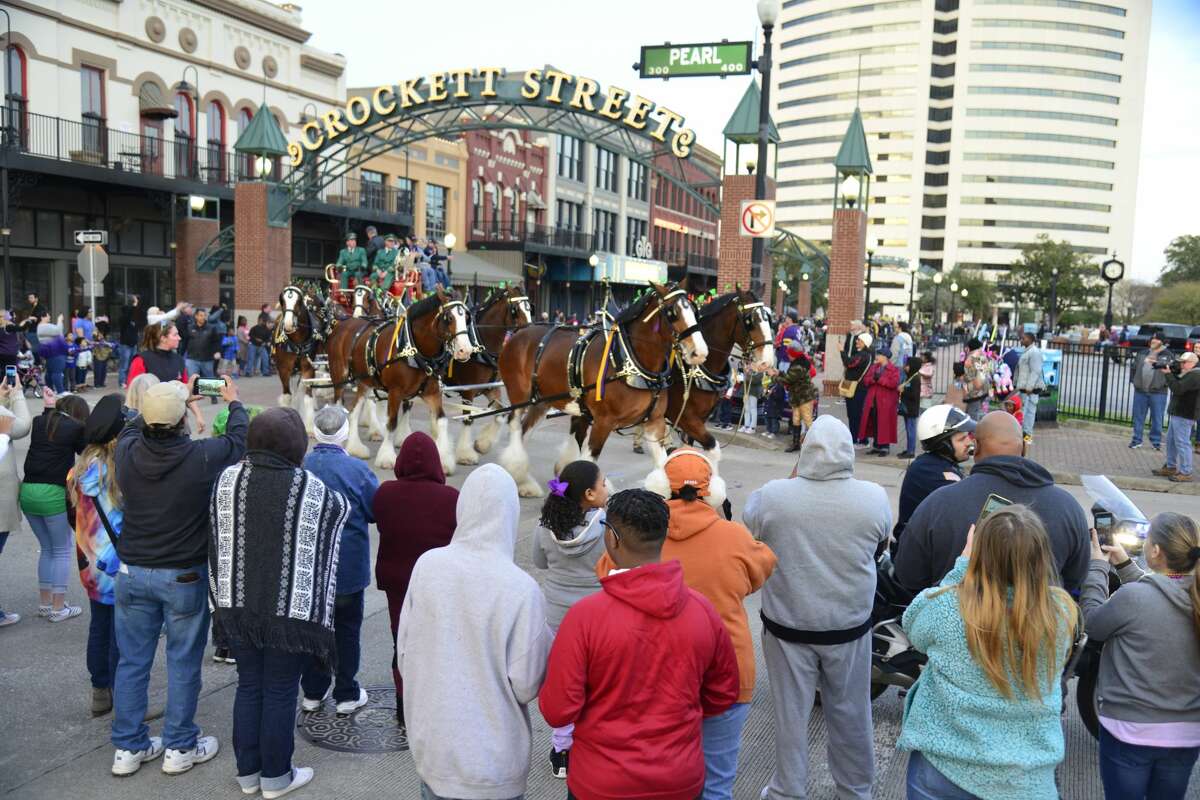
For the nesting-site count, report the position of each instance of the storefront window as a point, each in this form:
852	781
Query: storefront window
435	211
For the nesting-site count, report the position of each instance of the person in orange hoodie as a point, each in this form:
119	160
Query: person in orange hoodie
723	562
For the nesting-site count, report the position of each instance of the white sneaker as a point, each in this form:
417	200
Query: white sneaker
350	706
44	611
301	776
127	762
8	618
64	613
179	761
308	704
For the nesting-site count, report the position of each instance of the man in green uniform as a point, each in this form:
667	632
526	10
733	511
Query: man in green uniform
353	261
385	263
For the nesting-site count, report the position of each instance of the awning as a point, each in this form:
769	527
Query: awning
467	268
151	103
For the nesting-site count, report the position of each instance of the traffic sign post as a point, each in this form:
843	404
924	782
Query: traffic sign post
93	267
708	59
91	237
757	219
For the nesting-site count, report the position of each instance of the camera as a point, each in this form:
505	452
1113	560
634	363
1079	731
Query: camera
1168	361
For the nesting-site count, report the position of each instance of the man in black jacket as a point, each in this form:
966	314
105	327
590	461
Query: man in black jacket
166	479
937	531
1183	379
946	435
203	346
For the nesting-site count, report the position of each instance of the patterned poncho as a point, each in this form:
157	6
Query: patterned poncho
273	555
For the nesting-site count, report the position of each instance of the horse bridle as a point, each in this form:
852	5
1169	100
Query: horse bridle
749	313
667	305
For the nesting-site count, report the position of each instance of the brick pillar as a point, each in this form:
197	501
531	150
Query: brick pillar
191	235
262	252
846	258
804	297
733	254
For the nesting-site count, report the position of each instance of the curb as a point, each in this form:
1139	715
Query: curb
1124	482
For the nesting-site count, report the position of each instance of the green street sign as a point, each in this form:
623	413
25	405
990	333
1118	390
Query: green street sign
695	60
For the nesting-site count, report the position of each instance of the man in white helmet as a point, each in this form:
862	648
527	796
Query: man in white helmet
946	436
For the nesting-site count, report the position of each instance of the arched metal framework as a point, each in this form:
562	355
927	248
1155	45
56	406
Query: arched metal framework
507	109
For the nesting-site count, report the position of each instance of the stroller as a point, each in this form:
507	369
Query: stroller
29	374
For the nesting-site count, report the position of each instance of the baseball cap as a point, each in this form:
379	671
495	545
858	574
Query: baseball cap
165	403
1189	356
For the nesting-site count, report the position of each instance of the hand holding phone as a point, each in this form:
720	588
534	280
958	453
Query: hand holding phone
993	503
10	375
208	387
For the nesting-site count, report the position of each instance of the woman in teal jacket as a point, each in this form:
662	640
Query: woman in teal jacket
983	719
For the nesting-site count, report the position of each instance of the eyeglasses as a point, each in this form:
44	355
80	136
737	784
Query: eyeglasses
616	533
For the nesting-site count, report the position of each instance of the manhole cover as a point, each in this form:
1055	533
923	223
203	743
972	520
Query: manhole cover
371	729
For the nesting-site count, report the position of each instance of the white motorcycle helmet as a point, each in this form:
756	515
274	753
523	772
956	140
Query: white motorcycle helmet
937	426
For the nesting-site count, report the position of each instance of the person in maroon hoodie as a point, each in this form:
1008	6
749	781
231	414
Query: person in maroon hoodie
637	666
414	513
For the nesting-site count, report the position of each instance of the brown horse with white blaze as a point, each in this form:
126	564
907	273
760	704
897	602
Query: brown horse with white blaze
615	377
297	340
401	356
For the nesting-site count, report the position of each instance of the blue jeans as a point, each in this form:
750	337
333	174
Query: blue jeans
55	367
722	741
260	359
102	649
1138	771
427	794
910	435
146	598
1029	403
202	368
264	715
1179	444
926	783
56	541
1156	404
124	357
347	625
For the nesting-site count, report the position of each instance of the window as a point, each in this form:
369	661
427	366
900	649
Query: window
1042	137
1036	225
941	114
92	89
477	205
1015	201
828	98
848	74
494	217
185	135
1037	91
513	212
215	160
605	225
941	92
933	201
937	179
246	163
937	157
606	169
942	70
852	53
635	183
405	189
937	136
893	5
1045	25
945	26
897	114
570	157
1040	69
1066	116
945	48
1045	47
16	101
1038	181
568	216
930	223
845	32
372	190
435	211
1037	159
635	231
932	243
1077	4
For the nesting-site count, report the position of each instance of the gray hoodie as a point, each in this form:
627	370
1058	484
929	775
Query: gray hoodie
1150	667
571	564
472	645
825	526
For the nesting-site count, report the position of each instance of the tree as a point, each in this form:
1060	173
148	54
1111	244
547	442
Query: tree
1078	281
1180	303
1132	299
1183	260
981	293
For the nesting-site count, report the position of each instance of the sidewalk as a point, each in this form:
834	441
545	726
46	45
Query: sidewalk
1067	449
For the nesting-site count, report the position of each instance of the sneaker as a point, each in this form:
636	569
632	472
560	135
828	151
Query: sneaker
44	611
1164	472
907	456
301	776
223	655
1157	447
101	701
65	613
1180	477
178	762
127	762
1135	445
1028	438
347	707
558	763
309	704
8	618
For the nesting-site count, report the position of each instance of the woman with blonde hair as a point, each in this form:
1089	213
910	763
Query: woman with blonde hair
98	520
983	719
1149	685
136	392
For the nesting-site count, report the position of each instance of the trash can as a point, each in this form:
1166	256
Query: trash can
1047	410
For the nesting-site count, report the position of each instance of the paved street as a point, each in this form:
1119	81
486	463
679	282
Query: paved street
50	747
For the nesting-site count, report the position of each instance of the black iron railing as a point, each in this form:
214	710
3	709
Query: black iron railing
546	235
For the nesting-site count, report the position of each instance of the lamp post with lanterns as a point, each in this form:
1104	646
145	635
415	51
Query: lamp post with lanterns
768	15
937	287
1053	300
450	241
953	297
912	289
1111	271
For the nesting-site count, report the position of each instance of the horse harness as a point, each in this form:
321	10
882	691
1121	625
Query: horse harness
701	377
479	353
404	347
308	347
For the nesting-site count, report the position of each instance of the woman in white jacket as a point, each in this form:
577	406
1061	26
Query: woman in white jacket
14	415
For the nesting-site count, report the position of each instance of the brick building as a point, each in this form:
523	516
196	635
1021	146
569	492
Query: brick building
683	232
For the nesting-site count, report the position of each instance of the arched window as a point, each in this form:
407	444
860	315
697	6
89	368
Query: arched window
185	135
476	205
16	97
495	208
246	163
215	159
512	214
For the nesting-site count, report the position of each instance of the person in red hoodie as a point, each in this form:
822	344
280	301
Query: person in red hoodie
414	513
1012	404
637	666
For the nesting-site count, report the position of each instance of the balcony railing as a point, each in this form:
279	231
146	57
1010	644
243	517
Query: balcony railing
545	235
369	195
679	258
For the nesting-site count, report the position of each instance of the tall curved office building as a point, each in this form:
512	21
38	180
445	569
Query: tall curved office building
988	122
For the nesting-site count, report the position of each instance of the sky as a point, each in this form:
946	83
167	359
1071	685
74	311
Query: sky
601	40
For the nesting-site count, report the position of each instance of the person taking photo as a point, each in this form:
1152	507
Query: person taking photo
1184	382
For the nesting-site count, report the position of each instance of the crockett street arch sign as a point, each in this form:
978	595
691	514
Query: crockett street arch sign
453	102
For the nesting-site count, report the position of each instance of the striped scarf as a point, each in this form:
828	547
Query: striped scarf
273	555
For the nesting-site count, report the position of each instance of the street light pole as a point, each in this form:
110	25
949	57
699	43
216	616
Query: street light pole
937	287
867	296
912	291
1053	300
768	13
1111	271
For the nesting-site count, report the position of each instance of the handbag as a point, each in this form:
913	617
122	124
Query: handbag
847	388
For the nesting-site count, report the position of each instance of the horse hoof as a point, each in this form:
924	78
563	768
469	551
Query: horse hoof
359	452
530	488
482	447
385	461
376	436
468	458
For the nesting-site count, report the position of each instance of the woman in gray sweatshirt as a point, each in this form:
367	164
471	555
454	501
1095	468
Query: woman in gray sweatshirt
1149	684
567	544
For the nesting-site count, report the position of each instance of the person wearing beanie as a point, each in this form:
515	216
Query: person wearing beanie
98	522
854	365
357	483
414	514
164	578
723	562
273	553
878	423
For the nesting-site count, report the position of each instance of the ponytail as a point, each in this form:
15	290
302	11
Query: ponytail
1179	538
563	511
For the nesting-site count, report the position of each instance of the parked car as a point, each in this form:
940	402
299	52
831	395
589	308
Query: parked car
1175	337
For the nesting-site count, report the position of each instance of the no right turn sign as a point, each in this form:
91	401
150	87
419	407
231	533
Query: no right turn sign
757	218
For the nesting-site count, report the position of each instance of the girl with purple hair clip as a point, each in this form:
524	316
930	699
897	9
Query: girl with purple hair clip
567	544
